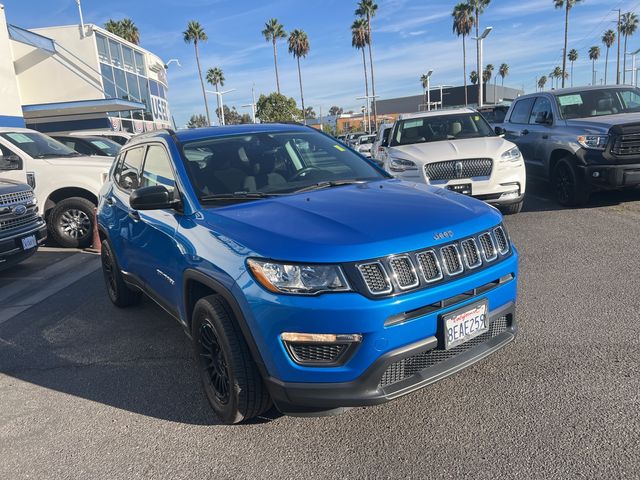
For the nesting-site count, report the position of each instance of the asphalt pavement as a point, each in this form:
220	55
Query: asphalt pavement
91	391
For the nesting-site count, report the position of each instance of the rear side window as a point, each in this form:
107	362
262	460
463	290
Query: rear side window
385	137
521	111
157	169
127	174
541	112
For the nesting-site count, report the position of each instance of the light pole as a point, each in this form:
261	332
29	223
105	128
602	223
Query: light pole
172	60
428	76
368	110
634	72
480	40
81	19
220	94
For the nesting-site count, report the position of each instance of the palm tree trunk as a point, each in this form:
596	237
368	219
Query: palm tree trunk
275	63
304	117
218	100
479	69
624	61
373	82
606	66
572	73
464	70
366	85
593	71
204	94
566	34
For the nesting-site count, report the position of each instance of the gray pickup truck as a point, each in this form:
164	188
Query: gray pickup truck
583	139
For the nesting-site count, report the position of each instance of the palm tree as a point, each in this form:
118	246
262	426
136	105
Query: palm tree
608	39
478	7
299	47
542	81
573	56
114	26
273	30
556	74
462	24
195	34
359	40
215	77
367	10
130	31
503	71
568	5
473	76
594	55
487	73
628	26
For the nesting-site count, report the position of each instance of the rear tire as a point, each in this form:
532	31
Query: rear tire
230	377
119	292
512	209
570	190
71	222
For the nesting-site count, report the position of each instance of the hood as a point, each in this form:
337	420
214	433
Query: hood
603	123
484	147
11	186
103	163
351	223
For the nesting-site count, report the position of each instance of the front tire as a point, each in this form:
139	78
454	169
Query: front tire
229	375
570	190
119	292
71	222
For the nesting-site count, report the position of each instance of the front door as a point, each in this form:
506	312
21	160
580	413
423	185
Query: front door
518	128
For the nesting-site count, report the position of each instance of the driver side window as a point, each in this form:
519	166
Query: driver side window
541	113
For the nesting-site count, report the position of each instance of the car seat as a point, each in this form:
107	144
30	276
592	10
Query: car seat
223	172
263	164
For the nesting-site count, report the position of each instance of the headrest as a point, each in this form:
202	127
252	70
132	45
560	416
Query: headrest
456	128
605	104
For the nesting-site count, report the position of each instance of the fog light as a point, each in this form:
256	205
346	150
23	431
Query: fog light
321	337
595	174
509	195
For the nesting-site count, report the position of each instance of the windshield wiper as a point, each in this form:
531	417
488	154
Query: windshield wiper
329	184
55	155
237	196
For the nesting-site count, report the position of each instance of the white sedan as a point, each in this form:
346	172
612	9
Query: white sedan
458	150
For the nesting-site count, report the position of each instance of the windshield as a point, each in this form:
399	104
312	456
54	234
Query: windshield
37	145
272	163
367	139
106	146
495	115
441	127
596	103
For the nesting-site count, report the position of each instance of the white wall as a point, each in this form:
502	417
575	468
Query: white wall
10	105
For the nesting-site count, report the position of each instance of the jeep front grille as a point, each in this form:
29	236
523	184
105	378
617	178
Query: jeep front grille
454	169
411	270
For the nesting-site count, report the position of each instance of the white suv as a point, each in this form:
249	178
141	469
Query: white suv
66	183
458	150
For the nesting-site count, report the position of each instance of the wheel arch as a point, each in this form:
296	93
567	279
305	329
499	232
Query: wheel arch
557	155
68	192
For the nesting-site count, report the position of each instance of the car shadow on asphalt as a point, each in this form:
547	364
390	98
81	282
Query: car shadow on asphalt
540	198
136	359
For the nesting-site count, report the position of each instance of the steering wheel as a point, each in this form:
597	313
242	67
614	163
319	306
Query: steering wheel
301	174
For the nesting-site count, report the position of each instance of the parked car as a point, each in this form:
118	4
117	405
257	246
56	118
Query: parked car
341	138
352	138
494	114
458	150
364	144
100	146
379	147
308	279
21	228
65	182
119	137
582	139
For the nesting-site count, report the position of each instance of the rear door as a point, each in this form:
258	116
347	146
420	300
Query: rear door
517	127
540	128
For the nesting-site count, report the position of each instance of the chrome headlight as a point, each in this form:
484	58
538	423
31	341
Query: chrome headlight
593	142
400	165
298	279
511	155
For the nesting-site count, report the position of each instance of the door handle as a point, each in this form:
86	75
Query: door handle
134	215
110	201
524	132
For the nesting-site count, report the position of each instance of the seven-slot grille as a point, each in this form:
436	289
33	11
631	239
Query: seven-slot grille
454	169
404	272
16	197
408	271
628	144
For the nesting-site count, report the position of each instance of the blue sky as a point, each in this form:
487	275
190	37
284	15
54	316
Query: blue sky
410	37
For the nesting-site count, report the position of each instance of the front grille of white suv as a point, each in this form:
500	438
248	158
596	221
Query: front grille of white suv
455	169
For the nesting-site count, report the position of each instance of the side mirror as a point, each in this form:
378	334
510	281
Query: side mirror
156	197
10	162
500	131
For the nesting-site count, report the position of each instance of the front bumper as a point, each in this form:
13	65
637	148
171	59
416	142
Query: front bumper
11	251
608	177
374	386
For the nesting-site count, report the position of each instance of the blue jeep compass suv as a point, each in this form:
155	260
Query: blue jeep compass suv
305	275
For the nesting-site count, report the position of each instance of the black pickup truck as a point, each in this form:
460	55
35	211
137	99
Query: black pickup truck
22	229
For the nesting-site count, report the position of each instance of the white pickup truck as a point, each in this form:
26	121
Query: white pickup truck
65	182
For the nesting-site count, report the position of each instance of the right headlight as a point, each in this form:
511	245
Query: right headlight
511	155
279	277
401	165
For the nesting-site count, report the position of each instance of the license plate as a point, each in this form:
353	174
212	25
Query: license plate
29	242
465	323
464	188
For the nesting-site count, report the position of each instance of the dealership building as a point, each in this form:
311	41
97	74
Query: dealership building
79	77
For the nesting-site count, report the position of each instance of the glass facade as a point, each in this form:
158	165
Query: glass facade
124	76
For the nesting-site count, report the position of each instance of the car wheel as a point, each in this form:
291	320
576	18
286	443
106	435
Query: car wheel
119	292
512	209
229	375
569	189
71	222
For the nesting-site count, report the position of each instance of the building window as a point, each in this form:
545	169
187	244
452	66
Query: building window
127	57
121	84
140	68
116	56
107	81
134	90
103	48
